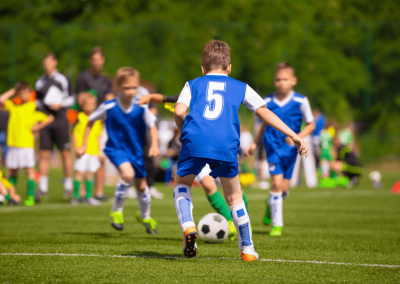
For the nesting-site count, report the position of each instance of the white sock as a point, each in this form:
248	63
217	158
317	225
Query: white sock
184	206
241	220
68	184
285	194
120	195
275	204
44	184
144	199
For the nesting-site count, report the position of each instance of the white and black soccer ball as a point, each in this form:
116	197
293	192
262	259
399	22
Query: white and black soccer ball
213	228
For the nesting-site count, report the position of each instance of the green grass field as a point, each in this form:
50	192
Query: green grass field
330	235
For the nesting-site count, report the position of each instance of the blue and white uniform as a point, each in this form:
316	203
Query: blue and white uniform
292	110
126	129
211	130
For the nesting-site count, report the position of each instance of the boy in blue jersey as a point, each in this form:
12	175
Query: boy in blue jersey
210	135
126	125
292	108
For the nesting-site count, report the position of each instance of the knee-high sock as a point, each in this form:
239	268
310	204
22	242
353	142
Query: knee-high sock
184	206
31	187
218	203
13	180
241	220
44	184
88	187
120	195
68	183
144	199
77	188
275	204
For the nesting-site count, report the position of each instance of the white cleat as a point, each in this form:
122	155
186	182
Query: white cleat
92	201
249	254
155	193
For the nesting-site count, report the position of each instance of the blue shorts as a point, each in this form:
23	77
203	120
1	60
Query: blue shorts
283	165
188	165
118	157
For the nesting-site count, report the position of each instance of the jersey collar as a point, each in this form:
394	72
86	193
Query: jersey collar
122	107
216	74
285	101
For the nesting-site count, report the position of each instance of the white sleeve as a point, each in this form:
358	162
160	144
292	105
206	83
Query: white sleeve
68	101
186	95
305	109
148	117
99	113
252	100
142	91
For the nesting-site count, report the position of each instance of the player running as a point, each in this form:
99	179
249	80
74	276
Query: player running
292	108
126	125
210	135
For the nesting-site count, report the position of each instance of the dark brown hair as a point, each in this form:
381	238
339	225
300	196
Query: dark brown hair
21	85
216	55
125	72
95	50
52	55
284	65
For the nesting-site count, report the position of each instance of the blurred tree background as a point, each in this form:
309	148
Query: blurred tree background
346	53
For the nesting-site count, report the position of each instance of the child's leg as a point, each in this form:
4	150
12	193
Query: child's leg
143	197
89	184
127	173
285	188
215	198
77	183
240	216
183	201
275	200
12	175
31	181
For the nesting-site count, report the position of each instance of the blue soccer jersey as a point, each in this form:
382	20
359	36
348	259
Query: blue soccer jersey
291	111
126	129
211	129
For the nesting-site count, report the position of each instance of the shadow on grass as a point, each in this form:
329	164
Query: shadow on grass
153	254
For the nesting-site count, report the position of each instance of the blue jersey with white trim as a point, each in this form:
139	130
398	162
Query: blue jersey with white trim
212	128
291	111
126	128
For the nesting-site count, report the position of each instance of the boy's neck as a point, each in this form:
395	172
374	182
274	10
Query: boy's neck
126	103
218	71
282	96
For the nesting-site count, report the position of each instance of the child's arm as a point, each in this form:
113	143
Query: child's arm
272	120
40	125
253	146
179	116
154	151
155	98
80	151
7	95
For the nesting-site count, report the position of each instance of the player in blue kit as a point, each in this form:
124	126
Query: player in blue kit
126	125
210	135
292	108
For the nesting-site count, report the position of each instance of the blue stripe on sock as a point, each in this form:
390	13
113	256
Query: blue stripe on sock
184	209
182	189
244	232
240	213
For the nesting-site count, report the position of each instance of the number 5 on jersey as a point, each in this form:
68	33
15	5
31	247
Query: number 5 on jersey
215	99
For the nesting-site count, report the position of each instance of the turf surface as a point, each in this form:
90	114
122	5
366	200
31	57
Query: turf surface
351	226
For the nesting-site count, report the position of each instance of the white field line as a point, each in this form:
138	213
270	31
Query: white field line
200	258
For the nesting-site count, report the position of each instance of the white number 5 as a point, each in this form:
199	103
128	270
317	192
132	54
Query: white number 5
215	100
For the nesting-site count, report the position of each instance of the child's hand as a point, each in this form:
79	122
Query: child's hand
144	100
301	145
289	141
80	151
250	150
154	152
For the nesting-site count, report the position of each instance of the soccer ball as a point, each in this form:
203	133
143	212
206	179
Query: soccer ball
213	228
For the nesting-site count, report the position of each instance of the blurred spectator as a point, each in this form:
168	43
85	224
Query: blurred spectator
320	122
54	94
346	137
3	135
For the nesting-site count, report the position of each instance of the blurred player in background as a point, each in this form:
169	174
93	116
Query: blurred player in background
126	125
54	95
210	135
7	189
292	108
320	122
4	115
24	121
92	79
88	164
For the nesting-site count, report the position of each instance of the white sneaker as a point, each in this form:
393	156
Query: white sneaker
249	254
155	193
92	201
131	193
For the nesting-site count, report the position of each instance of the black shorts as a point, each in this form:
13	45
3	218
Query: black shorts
56	133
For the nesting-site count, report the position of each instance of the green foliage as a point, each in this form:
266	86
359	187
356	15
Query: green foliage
345	52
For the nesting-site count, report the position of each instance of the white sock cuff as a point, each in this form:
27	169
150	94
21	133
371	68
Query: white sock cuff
182	190
279	194
44	183
122	183
239	211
